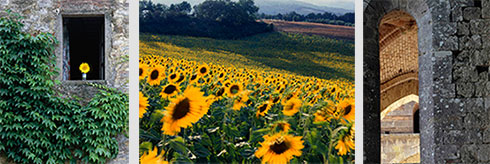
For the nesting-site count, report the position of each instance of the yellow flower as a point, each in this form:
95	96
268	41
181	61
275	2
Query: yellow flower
279	148
240	101
203	70
234	89
347	109
84	67
152	157
156	75
184	110
345	144
143	105
291	107
262	109
143	71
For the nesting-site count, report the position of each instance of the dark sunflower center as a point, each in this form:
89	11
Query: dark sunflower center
220	92
279	148
234	89
181	109
347	109
170	89
154	74
180	79
203	70
280	126
173	76
276	99
263	108
141	71
193	77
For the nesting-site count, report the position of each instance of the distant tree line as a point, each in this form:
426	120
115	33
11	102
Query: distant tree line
211	18
326	18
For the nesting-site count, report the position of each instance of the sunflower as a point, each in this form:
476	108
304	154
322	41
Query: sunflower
169	90
262	109
143	71
184	110
234	89
279	148
152	157
240	101
143	105
203	70
156	75
291	107
84	68
347	109
281	126
345	144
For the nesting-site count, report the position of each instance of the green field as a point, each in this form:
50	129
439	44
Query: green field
280	52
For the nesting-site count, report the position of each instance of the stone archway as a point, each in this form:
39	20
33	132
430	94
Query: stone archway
375	39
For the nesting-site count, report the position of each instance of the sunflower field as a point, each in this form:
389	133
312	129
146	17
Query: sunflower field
192	111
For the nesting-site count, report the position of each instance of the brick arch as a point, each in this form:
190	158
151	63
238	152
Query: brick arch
374	11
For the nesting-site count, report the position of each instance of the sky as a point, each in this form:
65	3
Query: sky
346	4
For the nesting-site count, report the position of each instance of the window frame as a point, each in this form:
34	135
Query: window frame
107	44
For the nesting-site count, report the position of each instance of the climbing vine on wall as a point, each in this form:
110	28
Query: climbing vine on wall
36	124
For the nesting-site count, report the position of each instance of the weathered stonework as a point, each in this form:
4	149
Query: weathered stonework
46	16
453	76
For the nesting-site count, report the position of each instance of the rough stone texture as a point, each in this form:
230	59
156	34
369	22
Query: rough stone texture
46	16
453	77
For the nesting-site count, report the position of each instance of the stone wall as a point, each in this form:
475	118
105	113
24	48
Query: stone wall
46	16
454	86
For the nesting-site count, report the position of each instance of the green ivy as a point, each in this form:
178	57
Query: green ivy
36	124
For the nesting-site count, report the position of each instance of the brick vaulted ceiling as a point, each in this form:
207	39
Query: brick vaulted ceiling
398	57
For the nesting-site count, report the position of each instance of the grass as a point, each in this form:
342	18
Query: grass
280	52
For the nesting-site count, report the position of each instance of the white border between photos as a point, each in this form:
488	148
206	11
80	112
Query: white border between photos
133	81
359	80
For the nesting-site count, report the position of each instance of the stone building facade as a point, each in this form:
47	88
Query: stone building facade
47	16
453	42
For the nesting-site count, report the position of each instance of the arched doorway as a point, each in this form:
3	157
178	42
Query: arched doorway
399	86
397	59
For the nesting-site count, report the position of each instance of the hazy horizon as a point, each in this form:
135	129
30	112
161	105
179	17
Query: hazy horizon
344	4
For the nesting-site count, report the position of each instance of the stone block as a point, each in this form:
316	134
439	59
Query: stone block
485	9
454	137
469	153
472	136
484	153
479	26
445	43
485	39
457	14
450	152
481	88
486	135
470	13
465	89
463	28
472	120
463	72
467	42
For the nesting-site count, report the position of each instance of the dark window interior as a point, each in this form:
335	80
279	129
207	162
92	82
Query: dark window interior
416	122
86	44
